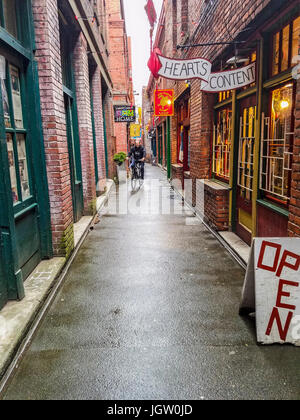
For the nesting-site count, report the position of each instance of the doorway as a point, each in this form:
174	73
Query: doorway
74	159
245	167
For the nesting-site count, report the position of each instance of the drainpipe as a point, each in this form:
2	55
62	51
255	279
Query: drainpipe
105	142
169	147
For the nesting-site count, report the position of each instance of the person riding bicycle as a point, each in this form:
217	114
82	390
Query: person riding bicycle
138	154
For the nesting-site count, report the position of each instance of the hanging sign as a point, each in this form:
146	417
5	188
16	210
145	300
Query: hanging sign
135	131
197	68
124	113
164	102
230	80
200	68
151	13
272	289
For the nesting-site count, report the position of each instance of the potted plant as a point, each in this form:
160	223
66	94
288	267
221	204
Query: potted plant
120	159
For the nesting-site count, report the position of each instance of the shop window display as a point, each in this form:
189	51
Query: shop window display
276	146
222	144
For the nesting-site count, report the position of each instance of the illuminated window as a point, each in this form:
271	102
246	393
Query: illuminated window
276	42
276	146
222	144
285	47
223	96
246	152
295	39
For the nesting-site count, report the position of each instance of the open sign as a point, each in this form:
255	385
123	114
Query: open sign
276	281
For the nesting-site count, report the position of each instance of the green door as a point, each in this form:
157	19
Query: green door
74	159
25	233
19	145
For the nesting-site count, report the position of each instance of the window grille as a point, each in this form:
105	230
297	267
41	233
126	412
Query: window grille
246	152
276	157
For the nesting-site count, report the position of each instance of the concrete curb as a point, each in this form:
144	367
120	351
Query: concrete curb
20	320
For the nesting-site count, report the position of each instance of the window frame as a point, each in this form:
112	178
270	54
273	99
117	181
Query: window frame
228	108
263	194
17	62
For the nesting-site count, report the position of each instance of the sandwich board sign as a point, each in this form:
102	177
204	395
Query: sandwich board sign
272	290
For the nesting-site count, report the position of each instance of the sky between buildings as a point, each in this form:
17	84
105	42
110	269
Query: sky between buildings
138	29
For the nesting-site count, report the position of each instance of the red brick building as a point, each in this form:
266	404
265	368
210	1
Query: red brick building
72	56
120	67
244	144
57	119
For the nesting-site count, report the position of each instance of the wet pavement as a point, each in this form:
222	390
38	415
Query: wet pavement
149	310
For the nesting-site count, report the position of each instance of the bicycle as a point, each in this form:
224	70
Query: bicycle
136	175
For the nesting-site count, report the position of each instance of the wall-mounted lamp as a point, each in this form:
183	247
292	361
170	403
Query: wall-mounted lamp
284	104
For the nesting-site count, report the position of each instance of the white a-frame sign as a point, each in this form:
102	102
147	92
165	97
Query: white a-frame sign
272	290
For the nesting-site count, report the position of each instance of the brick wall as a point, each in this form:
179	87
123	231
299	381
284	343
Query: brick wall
54	124
99	128
81	72
120	66
111	139
216	208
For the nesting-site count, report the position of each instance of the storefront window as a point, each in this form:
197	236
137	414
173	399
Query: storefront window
222	144
5	102
285	47
16	135
12	167
16	96
277	141
23	170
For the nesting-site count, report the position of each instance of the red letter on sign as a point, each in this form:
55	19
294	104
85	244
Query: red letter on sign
281	293
262	254
284	262
282	331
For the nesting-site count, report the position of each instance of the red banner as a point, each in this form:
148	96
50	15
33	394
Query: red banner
154	64
164	103
151	13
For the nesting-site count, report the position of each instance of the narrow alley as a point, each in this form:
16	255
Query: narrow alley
149	310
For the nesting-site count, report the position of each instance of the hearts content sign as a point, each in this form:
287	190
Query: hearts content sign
200	68
272	289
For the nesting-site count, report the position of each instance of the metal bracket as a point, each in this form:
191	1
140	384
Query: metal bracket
208	44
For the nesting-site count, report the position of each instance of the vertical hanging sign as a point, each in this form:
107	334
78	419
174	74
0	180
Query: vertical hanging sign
151	13
164	102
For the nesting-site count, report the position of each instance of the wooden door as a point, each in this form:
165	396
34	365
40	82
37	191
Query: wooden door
245	168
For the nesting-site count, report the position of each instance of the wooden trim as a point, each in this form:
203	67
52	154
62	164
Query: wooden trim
11	42
233	164
273	207
246	93
256	159
68	92
223	104
278	79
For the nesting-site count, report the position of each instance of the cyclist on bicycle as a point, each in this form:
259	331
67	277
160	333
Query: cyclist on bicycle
138	154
